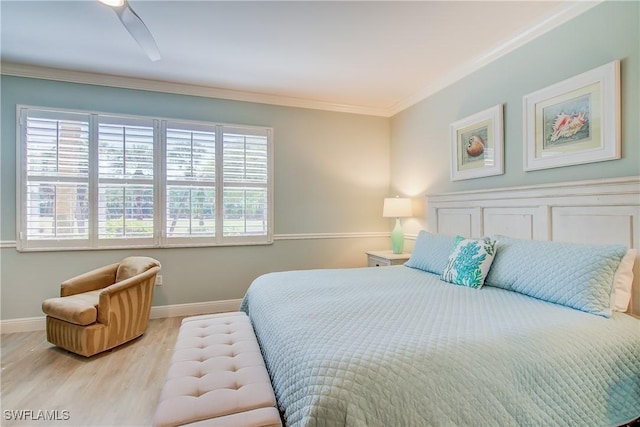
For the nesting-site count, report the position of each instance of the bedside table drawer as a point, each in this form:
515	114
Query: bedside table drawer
386	258
378	262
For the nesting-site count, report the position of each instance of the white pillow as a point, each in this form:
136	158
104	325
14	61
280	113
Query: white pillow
622	282
469	262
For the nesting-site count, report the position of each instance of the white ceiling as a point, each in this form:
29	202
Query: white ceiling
370	56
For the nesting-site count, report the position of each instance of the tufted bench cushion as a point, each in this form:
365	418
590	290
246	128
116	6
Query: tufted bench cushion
217	376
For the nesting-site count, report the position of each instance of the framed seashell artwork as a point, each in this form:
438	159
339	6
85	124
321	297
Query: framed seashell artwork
477	145
574	121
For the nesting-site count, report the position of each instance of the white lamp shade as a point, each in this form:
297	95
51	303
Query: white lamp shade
113	3
397	207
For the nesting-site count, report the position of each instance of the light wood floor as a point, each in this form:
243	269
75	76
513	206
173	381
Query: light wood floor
120	387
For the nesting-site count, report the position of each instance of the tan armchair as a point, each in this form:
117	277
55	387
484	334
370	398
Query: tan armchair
103	308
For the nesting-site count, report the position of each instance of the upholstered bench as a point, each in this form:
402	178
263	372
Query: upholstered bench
217	376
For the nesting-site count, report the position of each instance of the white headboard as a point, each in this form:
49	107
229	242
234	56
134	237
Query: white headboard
599	211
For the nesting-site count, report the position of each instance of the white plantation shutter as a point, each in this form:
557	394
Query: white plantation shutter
245	185
191	181
55	178
214	165
91	181
126	180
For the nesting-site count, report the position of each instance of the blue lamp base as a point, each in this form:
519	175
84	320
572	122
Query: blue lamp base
397	238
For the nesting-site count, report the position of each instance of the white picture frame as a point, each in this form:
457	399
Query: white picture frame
477	145
574	121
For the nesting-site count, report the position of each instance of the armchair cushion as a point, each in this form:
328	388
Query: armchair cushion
80	309
133	266
91	281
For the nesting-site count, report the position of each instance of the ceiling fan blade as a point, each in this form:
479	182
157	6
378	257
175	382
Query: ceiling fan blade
138	30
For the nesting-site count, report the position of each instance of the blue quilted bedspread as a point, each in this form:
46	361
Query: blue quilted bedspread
395	346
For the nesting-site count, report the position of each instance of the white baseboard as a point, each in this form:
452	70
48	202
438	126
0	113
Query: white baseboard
30	324
25	324
195	308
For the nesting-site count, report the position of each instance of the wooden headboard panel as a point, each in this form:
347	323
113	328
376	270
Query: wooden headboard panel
600	211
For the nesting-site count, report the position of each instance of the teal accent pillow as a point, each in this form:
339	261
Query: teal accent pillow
469	262
431	251
575	275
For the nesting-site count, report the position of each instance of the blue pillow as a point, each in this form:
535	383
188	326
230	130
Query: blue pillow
431	252
575	275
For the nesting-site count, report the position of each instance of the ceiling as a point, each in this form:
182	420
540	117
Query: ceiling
373	57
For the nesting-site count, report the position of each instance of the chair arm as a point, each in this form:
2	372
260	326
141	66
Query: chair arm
90	281
118	296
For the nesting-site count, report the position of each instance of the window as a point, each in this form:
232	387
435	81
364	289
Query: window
95	181
244	183
125	206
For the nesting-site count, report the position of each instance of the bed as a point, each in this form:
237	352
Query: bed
541	343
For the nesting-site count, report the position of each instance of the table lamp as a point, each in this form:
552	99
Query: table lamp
397	207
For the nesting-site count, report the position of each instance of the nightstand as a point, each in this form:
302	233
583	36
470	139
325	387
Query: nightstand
386	258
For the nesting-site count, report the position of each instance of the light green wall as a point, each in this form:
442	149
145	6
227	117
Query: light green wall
331	174
331	169
420	147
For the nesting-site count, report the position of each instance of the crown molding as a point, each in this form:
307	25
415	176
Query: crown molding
73	76
570	10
